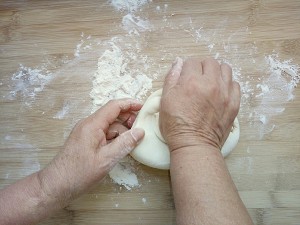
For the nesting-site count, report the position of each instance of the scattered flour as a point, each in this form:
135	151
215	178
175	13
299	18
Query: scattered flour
132	23
84	44
128	5
27	82
286	69
122	174
63	112
274	91
264	98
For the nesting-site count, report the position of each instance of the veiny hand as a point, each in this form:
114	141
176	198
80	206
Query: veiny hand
199	103
87	155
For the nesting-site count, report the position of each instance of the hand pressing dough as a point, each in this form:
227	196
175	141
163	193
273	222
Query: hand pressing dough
153	150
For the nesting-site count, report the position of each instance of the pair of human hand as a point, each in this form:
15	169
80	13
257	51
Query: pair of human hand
198	107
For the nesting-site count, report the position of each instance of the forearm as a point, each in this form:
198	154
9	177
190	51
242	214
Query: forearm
35	197
204	192
25	202
86	159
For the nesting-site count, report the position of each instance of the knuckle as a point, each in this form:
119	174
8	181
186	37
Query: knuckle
79	124
234	107
210	61
82	127
227	100
111	102
122	103
192	60
213	88
226	67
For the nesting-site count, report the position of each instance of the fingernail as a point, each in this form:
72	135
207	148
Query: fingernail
135	101
179	62
111	135
175	61
137	134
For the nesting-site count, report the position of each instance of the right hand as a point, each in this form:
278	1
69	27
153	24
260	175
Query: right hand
92	150
199	104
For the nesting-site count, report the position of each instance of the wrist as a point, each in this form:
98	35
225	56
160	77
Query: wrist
55	189
199	150
189	157
191	142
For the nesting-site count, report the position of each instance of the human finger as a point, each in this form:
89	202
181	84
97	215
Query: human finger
226	72
106	115
236	92
127	118
211	67
115	130
121	146
190	67
173	75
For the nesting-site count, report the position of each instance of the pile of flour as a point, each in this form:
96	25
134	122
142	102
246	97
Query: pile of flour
117	77
114	79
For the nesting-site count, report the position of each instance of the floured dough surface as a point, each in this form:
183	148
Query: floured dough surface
153	150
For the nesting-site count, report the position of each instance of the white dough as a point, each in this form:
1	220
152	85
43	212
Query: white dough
153	150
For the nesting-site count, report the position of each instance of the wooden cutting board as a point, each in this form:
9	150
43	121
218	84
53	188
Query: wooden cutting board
265	169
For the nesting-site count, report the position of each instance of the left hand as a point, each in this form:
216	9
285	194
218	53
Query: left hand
92	150
198	104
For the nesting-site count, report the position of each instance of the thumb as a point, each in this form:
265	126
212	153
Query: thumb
122	145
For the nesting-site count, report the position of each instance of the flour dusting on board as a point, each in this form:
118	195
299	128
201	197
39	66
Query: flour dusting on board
84	44
123	69
128	5
264	98
63	112
274	90
27	82
134	23
122	174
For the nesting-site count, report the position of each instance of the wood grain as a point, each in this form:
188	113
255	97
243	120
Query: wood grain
265	170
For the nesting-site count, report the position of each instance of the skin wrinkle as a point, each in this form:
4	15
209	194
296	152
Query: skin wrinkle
210	137
129	103
34	198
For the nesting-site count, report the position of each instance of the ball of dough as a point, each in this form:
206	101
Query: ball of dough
153	150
